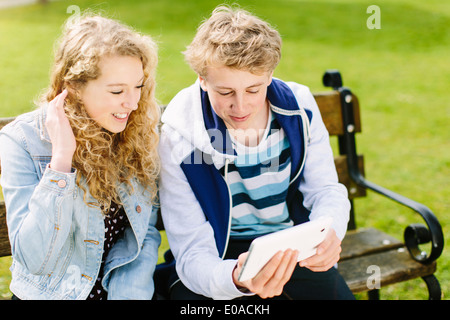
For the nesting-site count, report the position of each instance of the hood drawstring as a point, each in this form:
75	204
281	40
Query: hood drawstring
225	174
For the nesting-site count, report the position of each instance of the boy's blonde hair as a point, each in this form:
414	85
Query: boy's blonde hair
104	159
234	38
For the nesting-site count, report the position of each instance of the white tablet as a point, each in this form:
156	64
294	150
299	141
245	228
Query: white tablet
304	237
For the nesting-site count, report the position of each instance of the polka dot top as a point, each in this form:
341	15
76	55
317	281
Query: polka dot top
115	223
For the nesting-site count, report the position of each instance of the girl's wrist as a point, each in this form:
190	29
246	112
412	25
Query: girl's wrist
61	163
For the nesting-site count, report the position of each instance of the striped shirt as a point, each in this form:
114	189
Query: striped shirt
259	180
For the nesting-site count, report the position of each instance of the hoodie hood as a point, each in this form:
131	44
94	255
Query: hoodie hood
188	124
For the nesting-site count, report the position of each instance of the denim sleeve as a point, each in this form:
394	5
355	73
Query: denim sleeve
39	210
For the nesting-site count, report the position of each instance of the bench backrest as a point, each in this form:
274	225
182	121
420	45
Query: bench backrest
5	248
331	107
332	114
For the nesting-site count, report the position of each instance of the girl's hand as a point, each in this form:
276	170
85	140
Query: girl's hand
61	134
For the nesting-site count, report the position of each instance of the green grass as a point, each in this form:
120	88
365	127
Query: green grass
400	73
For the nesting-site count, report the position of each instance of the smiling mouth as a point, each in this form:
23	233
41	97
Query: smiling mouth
120	116
239	119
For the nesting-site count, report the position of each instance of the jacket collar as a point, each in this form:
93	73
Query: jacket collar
42	116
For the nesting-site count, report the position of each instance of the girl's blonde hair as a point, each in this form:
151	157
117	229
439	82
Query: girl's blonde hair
234	38
104	159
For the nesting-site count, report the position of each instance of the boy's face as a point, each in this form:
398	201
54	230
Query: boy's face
238	97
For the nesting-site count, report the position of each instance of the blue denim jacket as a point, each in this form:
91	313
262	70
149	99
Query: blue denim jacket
56	239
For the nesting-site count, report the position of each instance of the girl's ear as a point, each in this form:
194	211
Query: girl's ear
73	89
69	87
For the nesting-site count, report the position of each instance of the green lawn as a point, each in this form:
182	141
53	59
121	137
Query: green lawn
400	72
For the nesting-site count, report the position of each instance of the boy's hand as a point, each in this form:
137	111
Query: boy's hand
328	254
269	282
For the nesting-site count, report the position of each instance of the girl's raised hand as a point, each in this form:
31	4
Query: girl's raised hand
61	134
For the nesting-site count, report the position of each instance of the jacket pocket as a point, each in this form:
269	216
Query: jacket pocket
41	164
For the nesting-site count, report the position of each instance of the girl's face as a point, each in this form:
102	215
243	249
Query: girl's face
111	97
238	97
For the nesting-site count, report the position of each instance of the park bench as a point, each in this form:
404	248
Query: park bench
370	258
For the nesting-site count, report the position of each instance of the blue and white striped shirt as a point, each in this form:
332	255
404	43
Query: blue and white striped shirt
259	180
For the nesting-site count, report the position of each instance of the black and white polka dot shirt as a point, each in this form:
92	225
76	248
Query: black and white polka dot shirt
115	223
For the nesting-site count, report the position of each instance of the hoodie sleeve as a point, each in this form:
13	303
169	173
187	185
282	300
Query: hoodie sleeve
190	235
323	195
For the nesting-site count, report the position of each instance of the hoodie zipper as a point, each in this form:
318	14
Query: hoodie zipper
306	140
225	177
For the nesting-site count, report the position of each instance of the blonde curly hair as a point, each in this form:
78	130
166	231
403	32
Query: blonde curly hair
234	38
104	159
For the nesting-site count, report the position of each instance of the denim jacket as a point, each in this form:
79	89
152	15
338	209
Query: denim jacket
56	239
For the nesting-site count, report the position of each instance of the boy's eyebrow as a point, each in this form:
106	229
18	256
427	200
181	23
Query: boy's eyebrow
122	84
253	85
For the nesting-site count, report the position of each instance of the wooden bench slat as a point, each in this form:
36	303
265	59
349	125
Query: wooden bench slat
5	248
365	241
330	108
354	190
5	121
394	266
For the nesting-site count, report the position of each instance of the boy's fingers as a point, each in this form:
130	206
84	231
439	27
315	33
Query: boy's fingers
287	266
283	267
268	270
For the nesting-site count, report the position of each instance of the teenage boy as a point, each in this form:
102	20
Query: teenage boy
243	155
